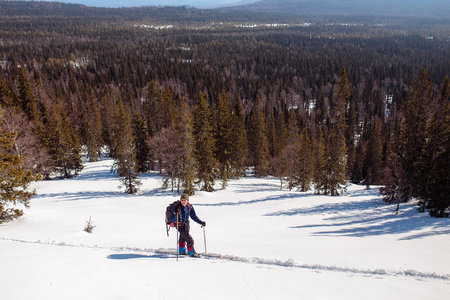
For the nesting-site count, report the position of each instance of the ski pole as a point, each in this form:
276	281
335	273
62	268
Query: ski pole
178	241
204	237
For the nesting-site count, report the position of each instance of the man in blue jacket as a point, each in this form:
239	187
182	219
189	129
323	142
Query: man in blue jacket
180	219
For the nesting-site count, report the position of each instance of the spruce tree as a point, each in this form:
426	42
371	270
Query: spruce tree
65	147
305	162
187	164
204	145
153	108
373	161
257	140
318	150
168	108
14	177
414	129
239	140
125	163
224	140
333	181
288	158
140	133
91	126
435	159
6	97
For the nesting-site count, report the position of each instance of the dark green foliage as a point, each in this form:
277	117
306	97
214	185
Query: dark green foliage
14	177
347	121
257	140
224	138
187	164
435	158
204	145
125	163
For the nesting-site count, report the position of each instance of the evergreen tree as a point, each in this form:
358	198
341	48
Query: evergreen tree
153	108
14	177
6	97
27	97
318	150
305	162
91	126
188	165
288	162
125	163
141	135
65	147
257	140
373	161
168	108
224	139
333	180
435	159
204	145
239	140
414	128
107	112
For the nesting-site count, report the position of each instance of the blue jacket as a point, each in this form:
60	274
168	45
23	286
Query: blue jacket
186	212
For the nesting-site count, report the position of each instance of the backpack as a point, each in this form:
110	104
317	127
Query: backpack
169	210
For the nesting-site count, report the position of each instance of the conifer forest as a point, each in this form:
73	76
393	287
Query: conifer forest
205	96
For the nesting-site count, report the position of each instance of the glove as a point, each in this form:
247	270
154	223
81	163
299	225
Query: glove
203	223
172	225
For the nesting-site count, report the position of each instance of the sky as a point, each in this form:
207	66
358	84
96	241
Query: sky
138	3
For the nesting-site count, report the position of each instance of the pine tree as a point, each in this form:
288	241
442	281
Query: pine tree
27	97
107	112
187	163
204	145
125	163
414	128
257	140
153	108
435	159
318	150
6	97
168	108
305	162
288	159
239	140
14	177
224	139
65	147
141	135
91	126
373	161
334	180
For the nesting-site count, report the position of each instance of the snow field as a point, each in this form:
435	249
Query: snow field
285	244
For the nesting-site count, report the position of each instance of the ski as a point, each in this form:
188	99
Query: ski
171	252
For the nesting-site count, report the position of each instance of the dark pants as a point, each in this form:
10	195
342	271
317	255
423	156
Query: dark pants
184	234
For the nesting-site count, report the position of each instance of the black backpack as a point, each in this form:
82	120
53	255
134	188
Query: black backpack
169	210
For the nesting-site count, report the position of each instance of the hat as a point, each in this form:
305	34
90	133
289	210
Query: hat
185	196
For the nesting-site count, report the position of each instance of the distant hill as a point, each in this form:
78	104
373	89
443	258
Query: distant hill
418	8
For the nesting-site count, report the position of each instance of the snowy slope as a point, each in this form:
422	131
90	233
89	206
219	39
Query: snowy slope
286	245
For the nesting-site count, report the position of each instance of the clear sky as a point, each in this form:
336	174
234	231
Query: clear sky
137	3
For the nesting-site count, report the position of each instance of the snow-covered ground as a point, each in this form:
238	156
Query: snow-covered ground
286	244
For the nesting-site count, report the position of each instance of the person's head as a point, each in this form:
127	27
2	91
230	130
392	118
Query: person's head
184	199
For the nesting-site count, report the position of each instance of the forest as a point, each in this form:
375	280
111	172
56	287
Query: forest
207	96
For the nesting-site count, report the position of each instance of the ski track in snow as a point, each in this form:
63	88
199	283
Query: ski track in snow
149	252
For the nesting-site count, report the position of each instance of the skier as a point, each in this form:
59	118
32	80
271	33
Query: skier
182	213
